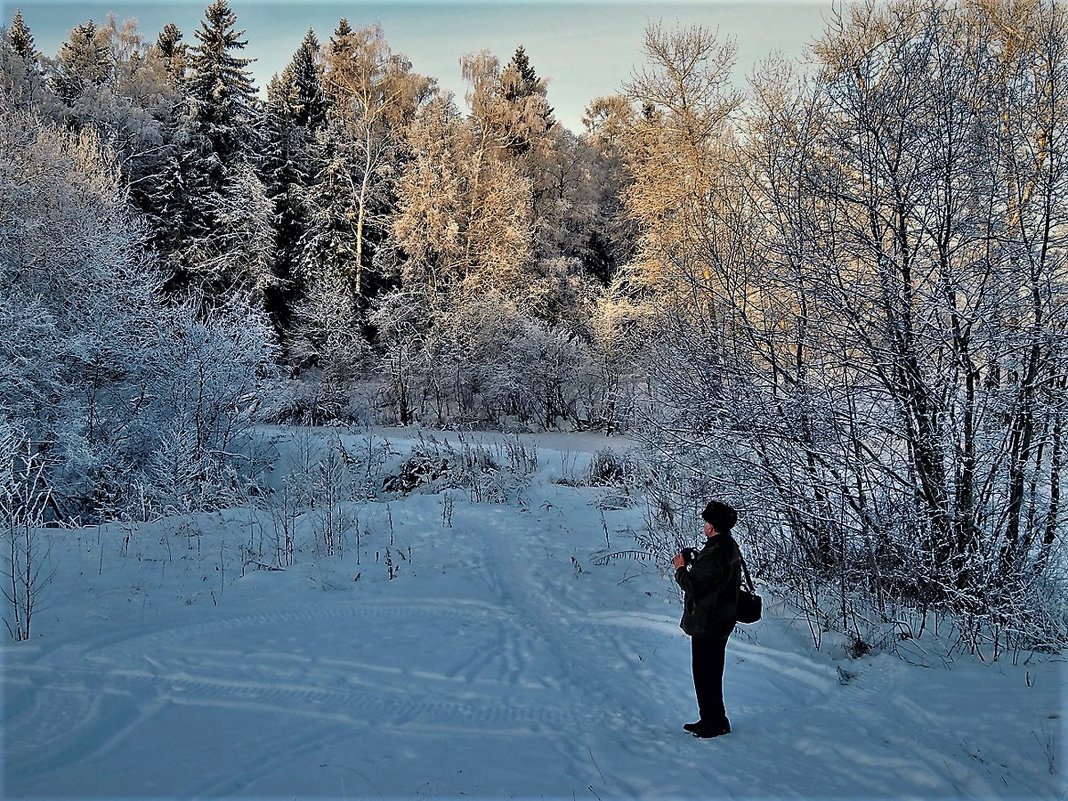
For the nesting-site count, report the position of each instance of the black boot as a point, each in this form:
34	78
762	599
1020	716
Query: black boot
708	730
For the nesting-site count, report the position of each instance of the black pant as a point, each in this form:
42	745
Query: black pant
708	657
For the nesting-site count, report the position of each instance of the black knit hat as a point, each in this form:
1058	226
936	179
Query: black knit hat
720	516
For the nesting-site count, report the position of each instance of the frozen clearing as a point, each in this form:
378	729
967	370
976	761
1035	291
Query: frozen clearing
501	661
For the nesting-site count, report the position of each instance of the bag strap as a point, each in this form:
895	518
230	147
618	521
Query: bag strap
745	572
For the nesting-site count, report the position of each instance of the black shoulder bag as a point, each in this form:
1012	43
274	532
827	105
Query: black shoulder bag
749	603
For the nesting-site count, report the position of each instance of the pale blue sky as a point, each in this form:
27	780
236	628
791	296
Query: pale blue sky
584	50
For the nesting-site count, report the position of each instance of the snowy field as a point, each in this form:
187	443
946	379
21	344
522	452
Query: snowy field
490	655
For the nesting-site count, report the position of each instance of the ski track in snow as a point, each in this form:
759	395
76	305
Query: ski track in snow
490	667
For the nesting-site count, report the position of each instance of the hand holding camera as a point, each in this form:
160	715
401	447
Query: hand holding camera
684	557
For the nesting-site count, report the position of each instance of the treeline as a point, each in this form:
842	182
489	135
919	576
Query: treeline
836	300
183	257
416	262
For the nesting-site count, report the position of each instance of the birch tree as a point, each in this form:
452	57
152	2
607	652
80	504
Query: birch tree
464	210
674	148
372	95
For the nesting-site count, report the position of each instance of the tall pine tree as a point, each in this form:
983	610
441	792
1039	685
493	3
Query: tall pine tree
172	52
530	116
20	38
209	164
294	114
20	65
220	87
84	61
304	74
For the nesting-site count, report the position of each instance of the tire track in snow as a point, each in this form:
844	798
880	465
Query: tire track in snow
49	716
68	726
351	706
283	751
99	648
552	628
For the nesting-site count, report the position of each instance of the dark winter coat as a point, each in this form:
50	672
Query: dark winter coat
711	582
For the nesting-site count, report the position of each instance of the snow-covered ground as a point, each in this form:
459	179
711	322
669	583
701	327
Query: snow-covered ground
501	660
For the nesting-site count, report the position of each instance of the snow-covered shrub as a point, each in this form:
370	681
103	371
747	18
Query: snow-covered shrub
479	333
621	473
307	400
330	350
507	365
24	497
79	308
317	506
490	473
419	469
550	367
205	373
402	319
619	330
610	469
884	400
100	373
480	362
523	456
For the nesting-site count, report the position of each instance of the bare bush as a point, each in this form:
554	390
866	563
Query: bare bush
24	495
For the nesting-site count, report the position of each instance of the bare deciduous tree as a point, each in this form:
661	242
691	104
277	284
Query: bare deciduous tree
880	363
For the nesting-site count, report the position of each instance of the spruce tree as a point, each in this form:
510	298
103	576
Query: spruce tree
20	64
179	206
173	52
529	117
527	83
521	81
295	112
310	106
20	38
212	145
341	32
220	86
329	246
84	61
326	328
163	195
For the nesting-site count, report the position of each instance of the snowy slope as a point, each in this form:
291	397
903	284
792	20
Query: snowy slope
501	661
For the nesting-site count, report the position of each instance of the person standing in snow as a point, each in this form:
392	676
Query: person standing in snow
710	579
